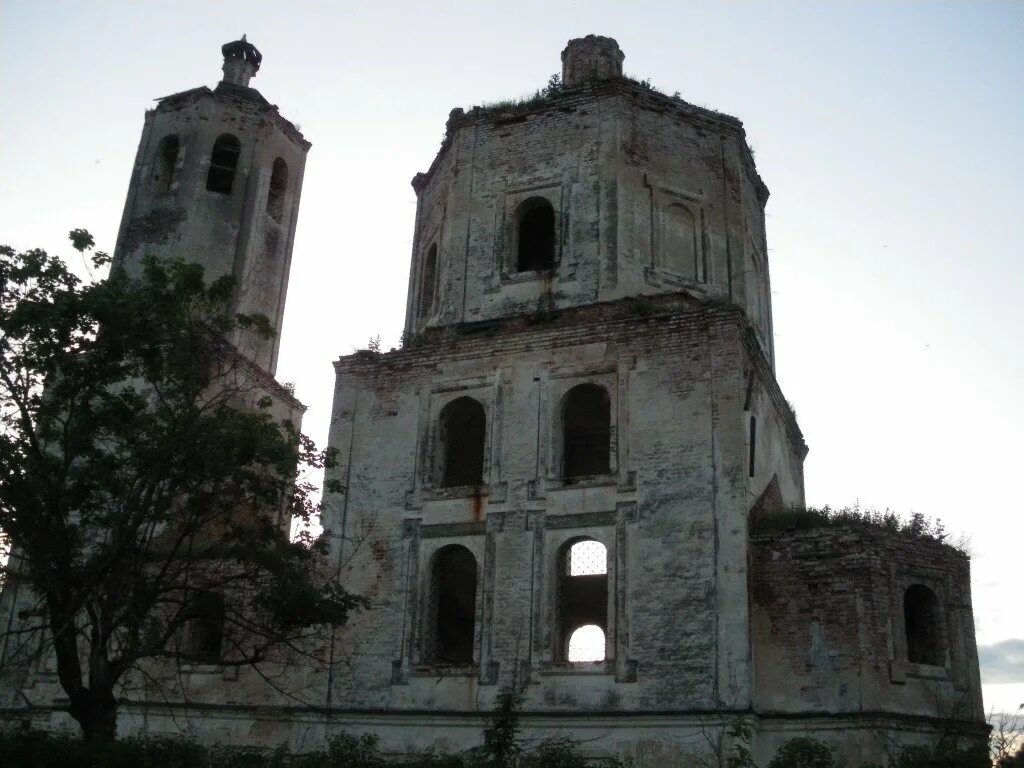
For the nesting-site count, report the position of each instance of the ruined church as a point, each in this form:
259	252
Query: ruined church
554	486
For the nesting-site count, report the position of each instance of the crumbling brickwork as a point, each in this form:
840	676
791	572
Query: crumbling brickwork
603	239
829	634
171	211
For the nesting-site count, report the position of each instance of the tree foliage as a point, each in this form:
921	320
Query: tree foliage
148	476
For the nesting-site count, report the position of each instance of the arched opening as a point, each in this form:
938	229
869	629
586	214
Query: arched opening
586	644
582	601
535	235
586	432
166	163
679	249
462	428
428	282
223	162
921	622
453	593
278	187
202	632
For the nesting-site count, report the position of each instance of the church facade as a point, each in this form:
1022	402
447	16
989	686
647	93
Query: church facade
554	487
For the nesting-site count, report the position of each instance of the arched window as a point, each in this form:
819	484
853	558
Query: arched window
202	632
921	622
582	601
166	163
223	162
278	187
679	249
453	597
462	427
586	432
535	235
428	282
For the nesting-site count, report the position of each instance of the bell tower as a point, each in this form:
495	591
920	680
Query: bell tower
217	180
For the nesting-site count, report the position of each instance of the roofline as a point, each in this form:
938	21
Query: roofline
263	106
458	118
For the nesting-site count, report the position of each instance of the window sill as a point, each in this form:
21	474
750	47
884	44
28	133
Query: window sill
456	492
606	667
529	276
445	670
899	671
585	481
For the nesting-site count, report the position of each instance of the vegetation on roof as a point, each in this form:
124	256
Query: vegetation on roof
916	526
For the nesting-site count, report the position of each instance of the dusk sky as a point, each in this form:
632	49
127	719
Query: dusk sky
891	136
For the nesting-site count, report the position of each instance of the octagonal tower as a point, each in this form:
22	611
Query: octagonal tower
637	194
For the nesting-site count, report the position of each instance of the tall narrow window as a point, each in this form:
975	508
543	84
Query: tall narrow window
278	187
921	622
586	432
535	235
462	429
679	248
166	163
753	444
582	618
203	629
428	282
454	605
223	163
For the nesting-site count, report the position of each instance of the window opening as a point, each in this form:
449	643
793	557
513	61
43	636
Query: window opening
166	163
586	425
454	591
921	622
586	644
462	428
582	601
203	628
428	282
535	242
223	162
278	187
753	443
588	558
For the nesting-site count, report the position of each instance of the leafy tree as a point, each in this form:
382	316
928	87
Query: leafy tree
148	478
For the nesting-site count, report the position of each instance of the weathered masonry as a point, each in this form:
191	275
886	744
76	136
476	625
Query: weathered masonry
557	483
551	483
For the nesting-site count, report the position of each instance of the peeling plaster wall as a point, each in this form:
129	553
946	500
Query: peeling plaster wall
611	158
671	513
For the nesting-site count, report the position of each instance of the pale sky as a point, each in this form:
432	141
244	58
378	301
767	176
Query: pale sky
891	136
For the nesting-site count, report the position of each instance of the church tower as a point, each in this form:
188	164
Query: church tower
556	469
558	485
217	180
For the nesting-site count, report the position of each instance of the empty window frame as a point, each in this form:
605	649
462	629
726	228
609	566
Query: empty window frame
586	432
202	634
679	247
582	607
428	282
535	235
223	163
278	188
453	603
461	434
166	163
921	624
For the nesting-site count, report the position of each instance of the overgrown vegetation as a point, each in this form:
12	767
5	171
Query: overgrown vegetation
148	476
917	526
538	97
501	748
